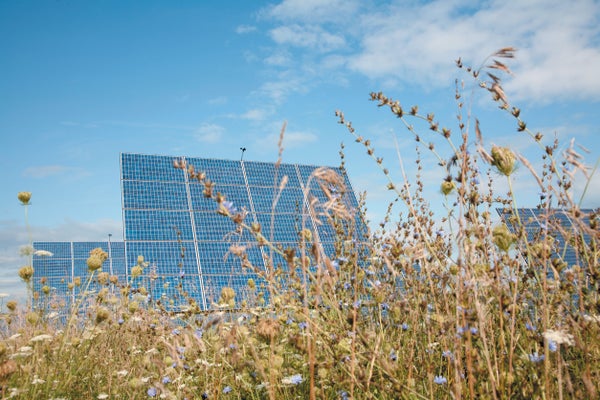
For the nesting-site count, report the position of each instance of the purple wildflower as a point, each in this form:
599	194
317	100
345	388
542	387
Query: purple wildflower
535	358
440	380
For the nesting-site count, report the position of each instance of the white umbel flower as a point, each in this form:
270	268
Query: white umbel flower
559	337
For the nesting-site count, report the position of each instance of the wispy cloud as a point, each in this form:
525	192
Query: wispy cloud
243	29
313	11
219	100
417	42
256	114
44	171
313	37
291	140
209	133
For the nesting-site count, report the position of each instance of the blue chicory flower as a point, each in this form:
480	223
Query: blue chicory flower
535	358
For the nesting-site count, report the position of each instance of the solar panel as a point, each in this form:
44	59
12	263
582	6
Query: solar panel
555	223
68	262
169	220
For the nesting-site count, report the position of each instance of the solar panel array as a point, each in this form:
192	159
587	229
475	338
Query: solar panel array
171	223
555	223
68	262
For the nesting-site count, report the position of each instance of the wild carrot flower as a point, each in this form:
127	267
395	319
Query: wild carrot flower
559	337
43	253
26	250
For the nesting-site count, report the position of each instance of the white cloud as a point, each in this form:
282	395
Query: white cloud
255	114
279	59
417	43
558	41
243	29
313	10
313	37
277	90
209	133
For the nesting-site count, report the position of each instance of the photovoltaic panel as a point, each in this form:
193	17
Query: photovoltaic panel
555	223
68	262
197	261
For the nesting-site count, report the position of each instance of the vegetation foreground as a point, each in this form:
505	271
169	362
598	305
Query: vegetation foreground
458	307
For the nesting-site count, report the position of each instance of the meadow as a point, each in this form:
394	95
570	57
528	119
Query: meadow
453	307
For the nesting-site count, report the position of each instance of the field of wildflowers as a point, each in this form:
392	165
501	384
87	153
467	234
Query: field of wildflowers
460	307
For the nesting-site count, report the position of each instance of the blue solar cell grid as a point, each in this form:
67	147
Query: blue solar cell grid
554	223
149	168
158	225
288	201
154	204
238	195
155	195
267	175
68	261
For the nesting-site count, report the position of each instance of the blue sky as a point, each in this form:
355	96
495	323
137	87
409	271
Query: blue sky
81	82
